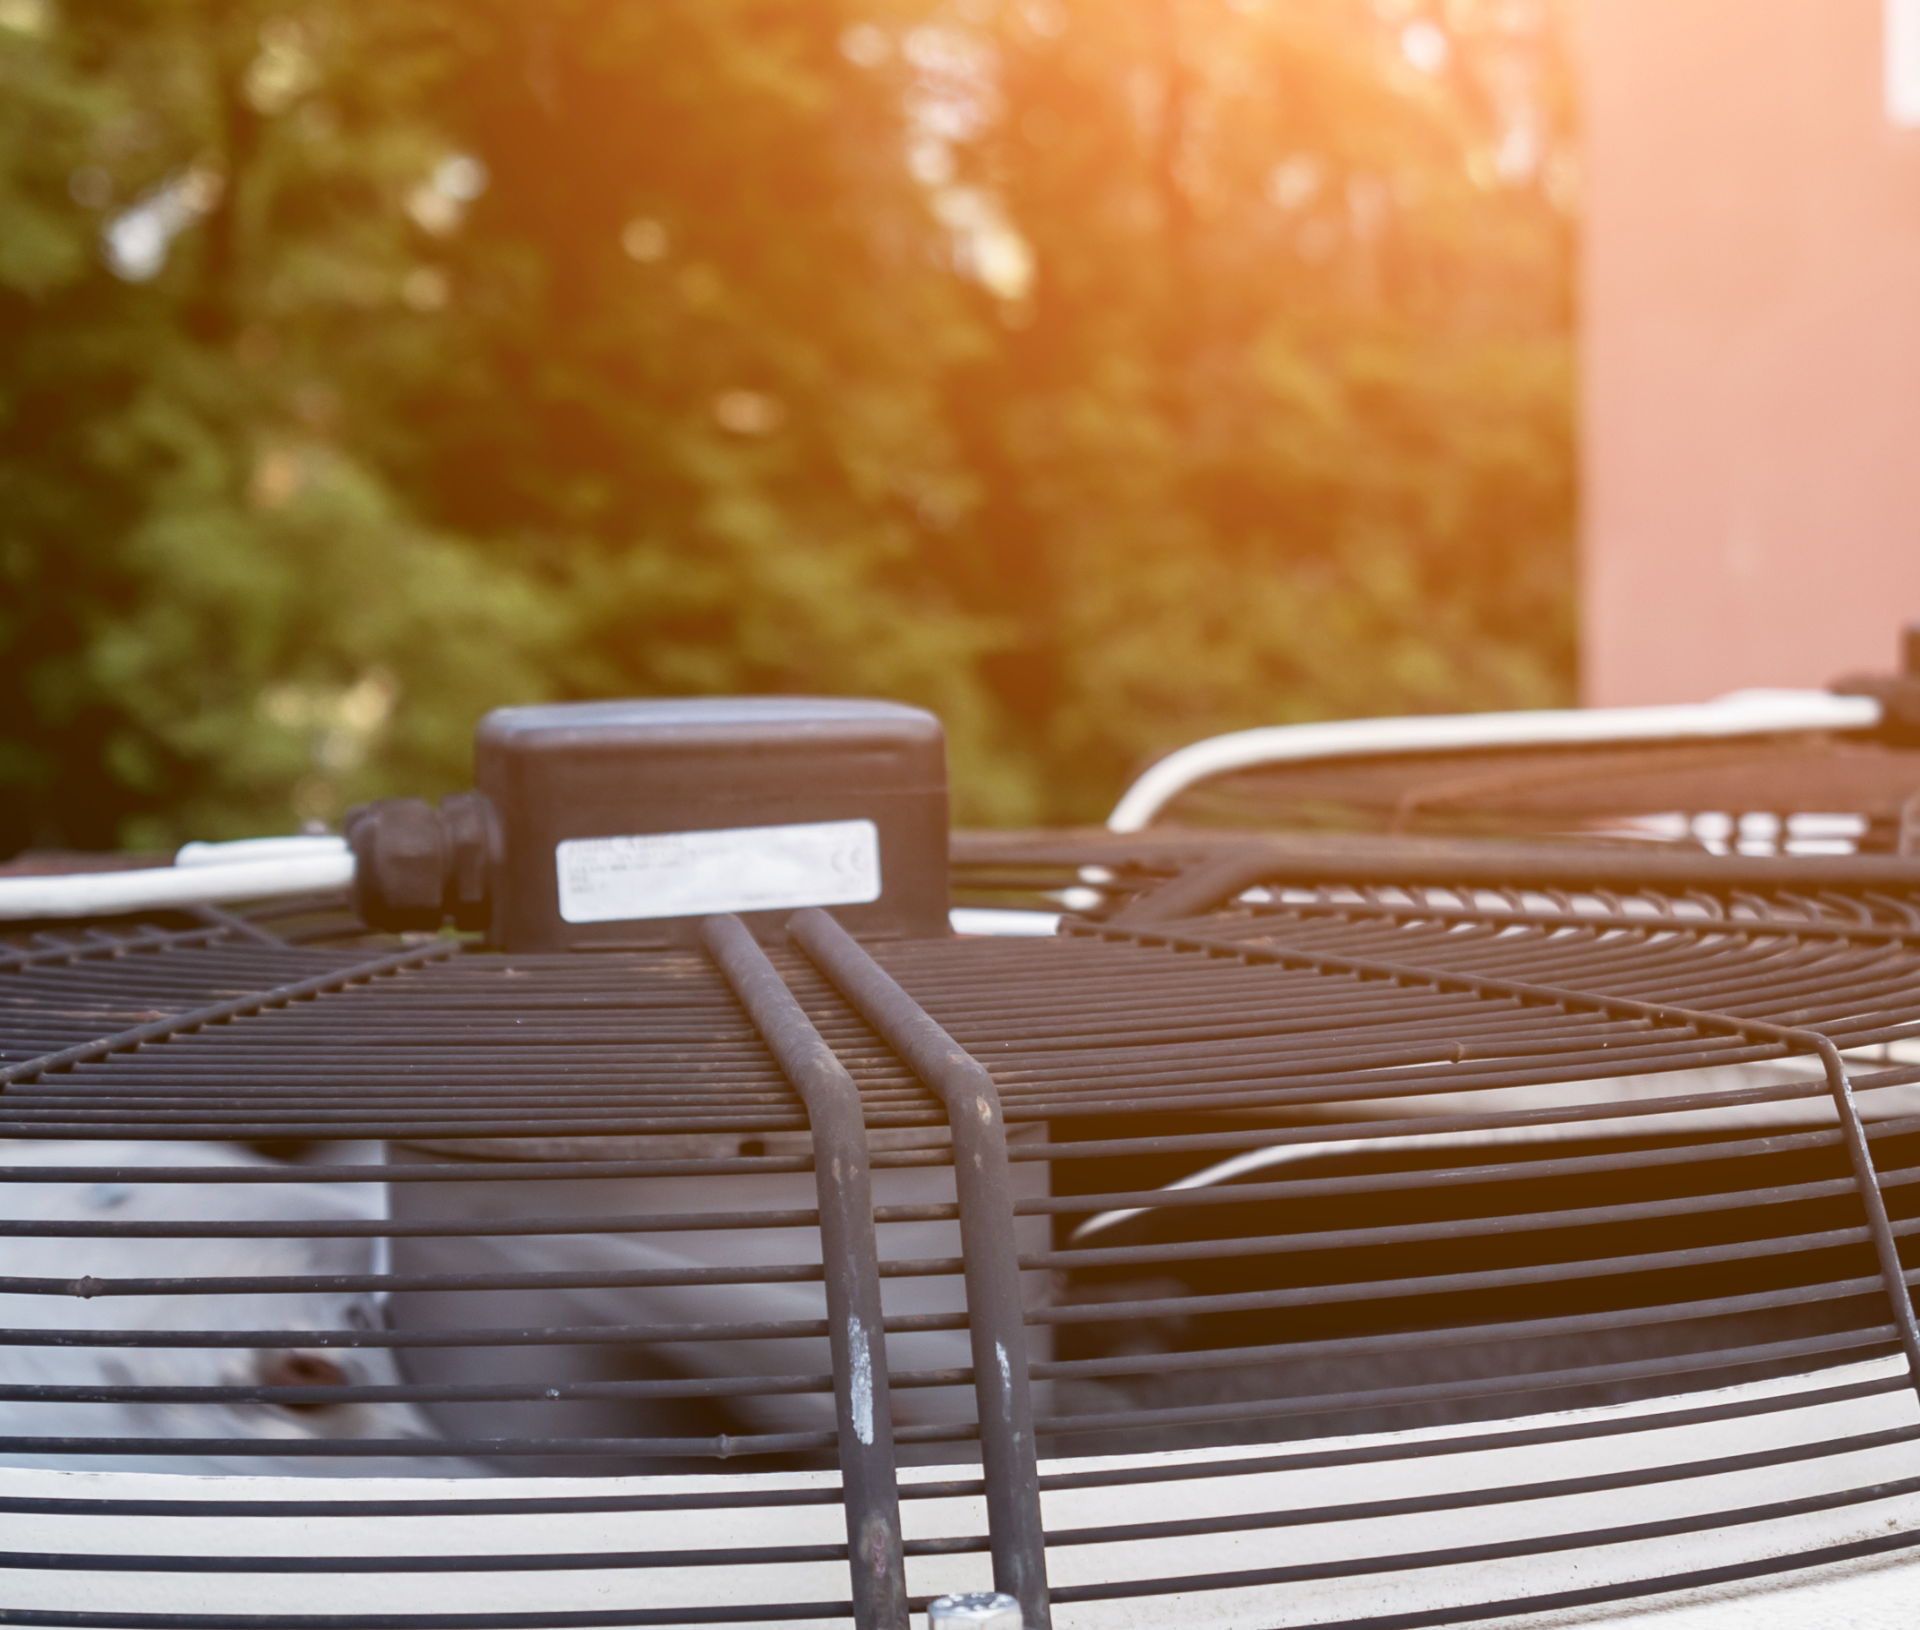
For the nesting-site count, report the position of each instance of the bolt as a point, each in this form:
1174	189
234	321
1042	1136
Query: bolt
977	1610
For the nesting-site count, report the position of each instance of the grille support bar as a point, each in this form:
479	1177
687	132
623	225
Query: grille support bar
855	1323
1853	1134
52	953
238	1007
996	1321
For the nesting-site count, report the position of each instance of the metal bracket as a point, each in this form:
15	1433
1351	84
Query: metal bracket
868	1482
996	1321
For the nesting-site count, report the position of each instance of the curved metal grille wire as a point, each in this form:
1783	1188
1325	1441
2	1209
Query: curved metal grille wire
1453	1203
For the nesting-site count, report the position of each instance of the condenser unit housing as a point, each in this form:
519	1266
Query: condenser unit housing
672	1184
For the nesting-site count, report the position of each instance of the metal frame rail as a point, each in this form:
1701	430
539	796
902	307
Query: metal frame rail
1232	862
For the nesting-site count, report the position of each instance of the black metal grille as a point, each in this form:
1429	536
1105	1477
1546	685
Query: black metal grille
1452	1154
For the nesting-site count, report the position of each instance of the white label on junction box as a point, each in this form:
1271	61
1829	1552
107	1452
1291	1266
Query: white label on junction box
744	868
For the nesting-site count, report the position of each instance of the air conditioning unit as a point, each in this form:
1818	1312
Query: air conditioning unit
674	1185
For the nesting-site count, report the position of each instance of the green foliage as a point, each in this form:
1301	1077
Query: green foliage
1286	434
1098	374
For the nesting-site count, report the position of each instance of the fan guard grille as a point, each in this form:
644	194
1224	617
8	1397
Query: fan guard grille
1477	1155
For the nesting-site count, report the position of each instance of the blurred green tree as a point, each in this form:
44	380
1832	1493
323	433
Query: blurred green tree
1099	375
1281	428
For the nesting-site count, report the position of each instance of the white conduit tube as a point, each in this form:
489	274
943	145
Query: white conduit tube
263	868
1743	713
202	874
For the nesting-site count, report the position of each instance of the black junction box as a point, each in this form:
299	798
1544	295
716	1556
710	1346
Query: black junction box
622	824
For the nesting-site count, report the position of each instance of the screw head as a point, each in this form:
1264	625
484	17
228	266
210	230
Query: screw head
976	1610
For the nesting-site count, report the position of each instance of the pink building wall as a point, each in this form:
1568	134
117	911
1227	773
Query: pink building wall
1751	396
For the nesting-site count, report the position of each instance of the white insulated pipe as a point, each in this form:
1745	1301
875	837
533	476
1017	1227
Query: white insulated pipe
1743	713
263	868
201	874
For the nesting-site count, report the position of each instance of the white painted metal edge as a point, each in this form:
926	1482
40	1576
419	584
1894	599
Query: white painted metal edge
1743	713
1226	1483
1004	922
